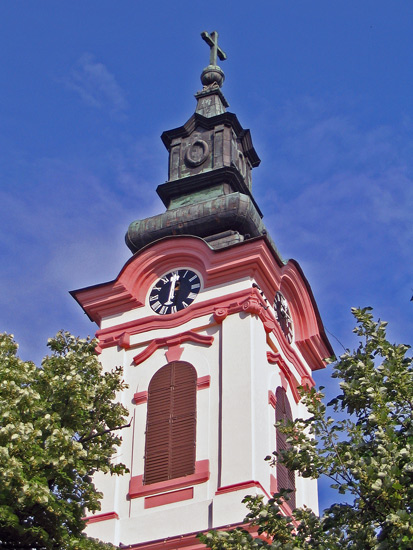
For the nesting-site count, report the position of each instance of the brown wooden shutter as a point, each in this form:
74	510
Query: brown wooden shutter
285	477
171	423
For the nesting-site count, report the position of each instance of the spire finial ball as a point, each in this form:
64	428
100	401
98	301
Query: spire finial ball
213	74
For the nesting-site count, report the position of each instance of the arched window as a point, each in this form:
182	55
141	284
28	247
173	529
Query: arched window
171	423
285	477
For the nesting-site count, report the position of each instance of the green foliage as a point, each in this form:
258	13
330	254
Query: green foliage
58	426
368	455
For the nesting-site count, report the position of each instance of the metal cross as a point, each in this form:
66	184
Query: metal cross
212	41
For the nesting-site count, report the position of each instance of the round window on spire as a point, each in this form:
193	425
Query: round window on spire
196	153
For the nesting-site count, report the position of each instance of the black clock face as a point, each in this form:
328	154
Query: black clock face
283	316
174	291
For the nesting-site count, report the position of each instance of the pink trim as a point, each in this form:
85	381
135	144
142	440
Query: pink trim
287	377
220	313
168	498
100	517
272	400
108	336
138	489
285	507
190	541
253	259
307	382
140	397
248	301
284	381
241	487
122	340
172	342
203	382
273	484
174	353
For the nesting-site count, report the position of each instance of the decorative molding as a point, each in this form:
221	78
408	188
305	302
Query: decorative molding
203	382
140	397
284	382
285	507
272	400
109	336
241	487
189	541
138	489
174	353
168	498
100	517
307	382
273	484
220	313
253	305
286	374
172	342
255	259
122	340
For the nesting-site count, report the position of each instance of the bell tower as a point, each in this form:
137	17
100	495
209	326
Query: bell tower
215	333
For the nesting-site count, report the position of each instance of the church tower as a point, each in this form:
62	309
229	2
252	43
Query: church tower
214	331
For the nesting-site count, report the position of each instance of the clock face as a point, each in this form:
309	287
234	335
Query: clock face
174	291
283	315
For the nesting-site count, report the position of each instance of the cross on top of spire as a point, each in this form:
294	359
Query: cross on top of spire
212	41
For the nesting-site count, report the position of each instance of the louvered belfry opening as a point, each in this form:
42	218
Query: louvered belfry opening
285	477
171	423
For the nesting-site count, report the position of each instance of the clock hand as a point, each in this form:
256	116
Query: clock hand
174	279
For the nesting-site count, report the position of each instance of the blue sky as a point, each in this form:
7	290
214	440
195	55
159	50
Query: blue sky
88	87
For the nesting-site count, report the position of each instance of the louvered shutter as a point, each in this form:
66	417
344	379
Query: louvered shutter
171	423
285	477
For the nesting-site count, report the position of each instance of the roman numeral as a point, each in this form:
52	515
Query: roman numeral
185	304
152	298
195	285
191	296
173	309
156	306
163	310
193	278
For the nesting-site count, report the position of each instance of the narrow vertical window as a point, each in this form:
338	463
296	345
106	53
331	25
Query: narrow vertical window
285	477
171	423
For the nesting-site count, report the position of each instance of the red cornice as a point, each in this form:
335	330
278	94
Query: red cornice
168	498
172	341
203	382
112	336
101	517
248	300
254	260
187	541
140	397
138	489
244	485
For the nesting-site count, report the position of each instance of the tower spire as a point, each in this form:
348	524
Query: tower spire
211	101
213	74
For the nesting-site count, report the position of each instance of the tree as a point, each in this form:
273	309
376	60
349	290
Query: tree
58	426
368	455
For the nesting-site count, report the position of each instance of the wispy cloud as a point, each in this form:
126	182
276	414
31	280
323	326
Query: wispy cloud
97	86
338	194
64	222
